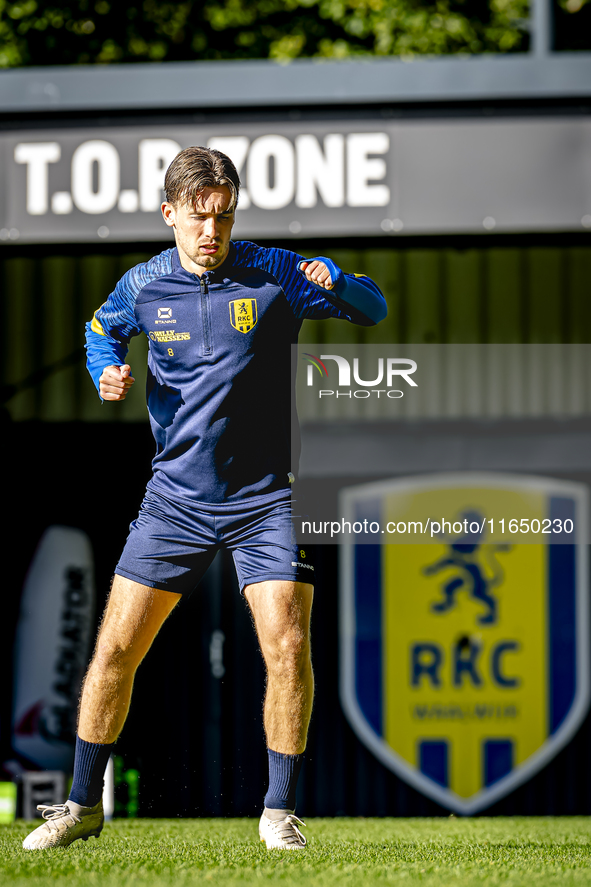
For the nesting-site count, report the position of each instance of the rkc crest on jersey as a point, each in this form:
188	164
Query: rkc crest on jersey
243	314
464	663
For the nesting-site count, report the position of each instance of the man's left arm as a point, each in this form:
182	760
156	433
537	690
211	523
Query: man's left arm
317	288
359	298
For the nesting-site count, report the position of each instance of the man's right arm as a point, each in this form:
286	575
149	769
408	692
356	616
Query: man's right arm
107	339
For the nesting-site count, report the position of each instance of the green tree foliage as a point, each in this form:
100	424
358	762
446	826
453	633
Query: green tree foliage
41	32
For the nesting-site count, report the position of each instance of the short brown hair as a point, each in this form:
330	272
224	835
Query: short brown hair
196	168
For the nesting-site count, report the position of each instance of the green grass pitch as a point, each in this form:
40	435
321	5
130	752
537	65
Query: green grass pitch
524	851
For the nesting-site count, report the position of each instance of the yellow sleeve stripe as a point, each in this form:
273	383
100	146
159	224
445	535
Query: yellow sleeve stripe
95	326
359	275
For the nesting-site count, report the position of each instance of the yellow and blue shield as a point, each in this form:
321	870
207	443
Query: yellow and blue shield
464	652
243	314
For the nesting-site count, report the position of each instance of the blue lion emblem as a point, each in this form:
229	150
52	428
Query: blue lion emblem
477	571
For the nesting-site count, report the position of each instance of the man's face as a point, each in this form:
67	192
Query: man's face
202	231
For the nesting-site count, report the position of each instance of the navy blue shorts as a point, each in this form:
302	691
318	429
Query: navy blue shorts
171	544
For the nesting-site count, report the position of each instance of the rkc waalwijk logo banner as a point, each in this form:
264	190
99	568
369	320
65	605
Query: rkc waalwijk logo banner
464	662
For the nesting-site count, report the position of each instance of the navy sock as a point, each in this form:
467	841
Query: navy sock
283	779
89	769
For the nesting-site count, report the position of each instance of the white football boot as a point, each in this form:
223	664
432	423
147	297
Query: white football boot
282	834
65	823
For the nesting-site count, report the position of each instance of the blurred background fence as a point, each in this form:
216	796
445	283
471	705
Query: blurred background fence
442	294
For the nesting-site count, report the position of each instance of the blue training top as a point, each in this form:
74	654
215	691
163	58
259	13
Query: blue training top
219	365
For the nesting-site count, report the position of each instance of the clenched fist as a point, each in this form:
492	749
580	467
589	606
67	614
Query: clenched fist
317	272
115	382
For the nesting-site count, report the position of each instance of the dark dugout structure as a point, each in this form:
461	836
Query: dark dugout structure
462	186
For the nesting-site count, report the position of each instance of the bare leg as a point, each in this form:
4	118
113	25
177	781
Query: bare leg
281	612
132	619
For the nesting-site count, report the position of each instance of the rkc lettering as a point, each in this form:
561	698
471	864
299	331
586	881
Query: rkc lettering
467	663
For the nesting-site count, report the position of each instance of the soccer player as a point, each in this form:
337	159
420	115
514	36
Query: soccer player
220	317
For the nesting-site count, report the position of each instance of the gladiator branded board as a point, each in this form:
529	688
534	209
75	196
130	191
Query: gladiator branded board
465	662
305	178
52	647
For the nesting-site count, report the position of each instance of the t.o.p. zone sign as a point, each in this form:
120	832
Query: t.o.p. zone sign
305	178
107	183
